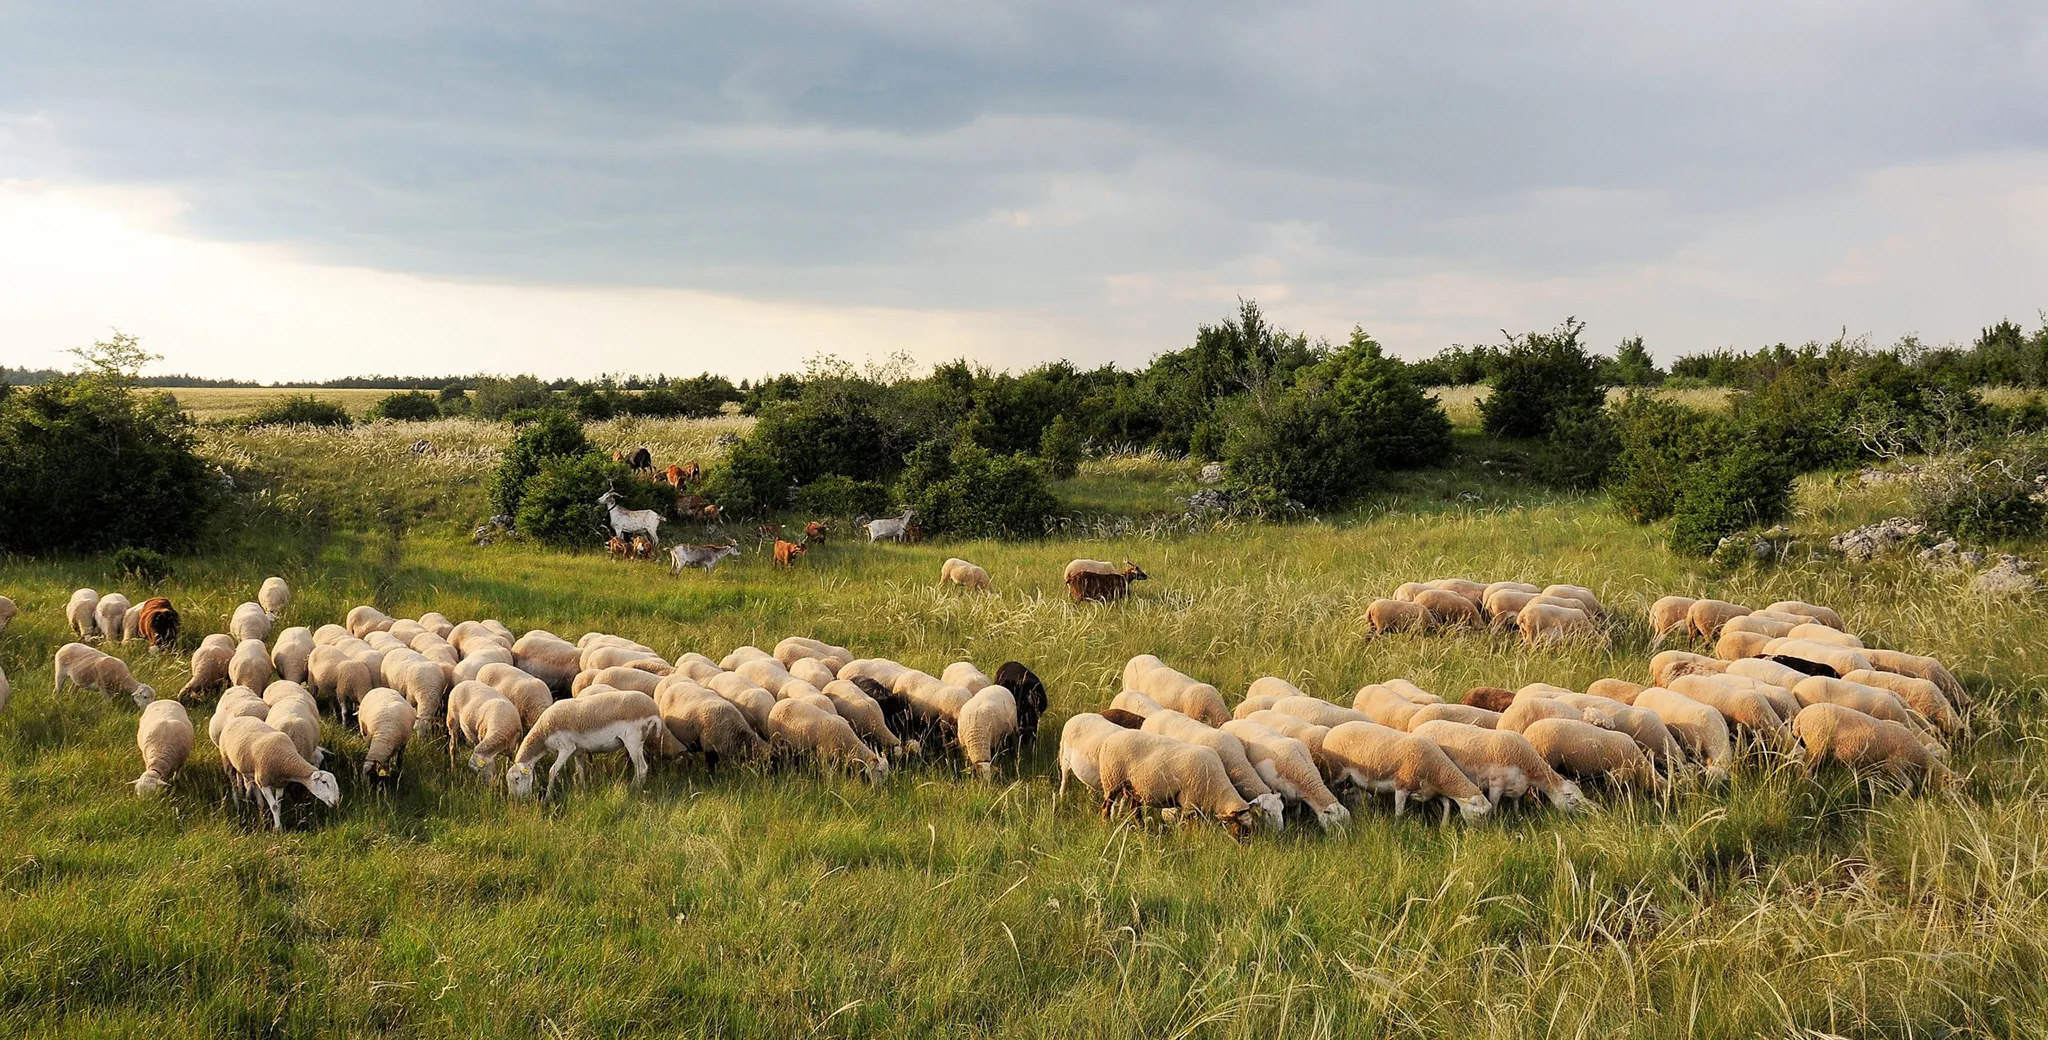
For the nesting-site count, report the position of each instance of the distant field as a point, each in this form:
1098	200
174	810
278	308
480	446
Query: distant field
1461	403
228	402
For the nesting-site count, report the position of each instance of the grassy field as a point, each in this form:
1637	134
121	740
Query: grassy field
793	904
232	402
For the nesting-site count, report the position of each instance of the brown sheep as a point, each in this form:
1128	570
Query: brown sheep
1544	625
1671	664
1668	615
1735	645
1616	689
1447	609
1831	731
1821	614
1474	592
1492	698
1396	615
1084	587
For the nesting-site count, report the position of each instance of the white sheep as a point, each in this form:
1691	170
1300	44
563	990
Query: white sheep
796	648
1289	769
210	665
7	612
966	676
708	724
83	613
530	695
616	678
165	739
86	667
988	721
299	719
1831	731
767	673
1585	751
1175	689
696	666
964	574
474	663
865	715
1874	701
1544	624
1698	728
365	619
813	671
274	596
752	701
1706	616
549	658
292	654
1918	667
249	622
438	623
1745	709
487	721
342	679
1919	694
251	665
1821	614
1231	752
1160	772
618	720
110	615
238	702
1381	760
424	687
261	759
800	728
1502	763
386	719
879	669
1840	658
1080	741
1318	712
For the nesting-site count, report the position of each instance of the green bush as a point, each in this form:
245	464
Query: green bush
836	495
819	434
406	406
1060	448
552	435
977	493
144	565
1579	451
454	400
1983	494
749	483
559	507
301	410
1540	376
1749	486
1659	443
88	464
499	398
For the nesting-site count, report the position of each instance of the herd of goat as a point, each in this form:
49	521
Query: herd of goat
1787	678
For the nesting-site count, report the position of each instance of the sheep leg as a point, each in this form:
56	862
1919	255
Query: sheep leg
275	799
562	759
1400	801
638	754
1493	793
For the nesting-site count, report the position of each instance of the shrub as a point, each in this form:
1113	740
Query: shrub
559	507
1659	443
978	493
552	435
407	406
837	495
144	565
454	400
1060	448
1982	494
1579	450
822	433
87	464
1540	376
748	483
1750	486
498	398
301	410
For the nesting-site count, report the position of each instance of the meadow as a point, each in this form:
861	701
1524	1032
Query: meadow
787	903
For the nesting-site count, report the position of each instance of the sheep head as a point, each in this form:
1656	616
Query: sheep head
519	780
149	784
1474	807
1241	823
324	787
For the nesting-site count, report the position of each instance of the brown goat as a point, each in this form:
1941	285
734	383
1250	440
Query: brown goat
1084	586
787	552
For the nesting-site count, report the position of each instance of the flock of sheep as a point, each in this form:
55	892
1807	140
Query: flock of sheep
1789	677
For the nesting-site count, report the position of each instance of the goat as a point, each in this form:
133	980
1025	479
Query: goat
787	552
703	557
674	475
642	460
895	530
631	521
815	531
1084	586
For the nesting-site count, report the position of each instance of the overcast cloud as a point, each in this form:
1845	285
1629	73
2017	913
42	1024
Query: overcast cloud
1079	179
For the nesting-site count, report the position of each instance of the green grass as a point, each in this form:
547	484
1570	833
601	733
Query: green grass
793	904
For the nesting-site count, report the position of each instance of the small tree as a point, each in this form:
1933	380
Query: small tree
117	360
748	483
1747	487
553	435
1633	365
983	495
1060	448
406	406
1540	376
301	410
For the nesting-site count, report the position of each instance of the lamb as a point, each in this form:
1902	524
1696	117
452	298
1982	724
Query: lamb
1734	645
485	720
86	667
1447	609
1288	768
1032	699
1545	625
1876	702
291	656
7	612
1831	731
616	678
1671	664
1502	763
1396	615
165	739
1615	689
618	720
1080	743
274	596
366	619
249	622
83	613
1821	614
1230	751
1705	617
1919	694
1585	751
1839	658
1160	772
1317	712
890	530
260	758
864	713
1824	634
1920	668
1745	709
964	675
548	657
987	722
1580	594
752	701
210	665
1700	730
1380	760
340	678
528	694
1177	690
799	728
708	724
964	574
387	721
1492	698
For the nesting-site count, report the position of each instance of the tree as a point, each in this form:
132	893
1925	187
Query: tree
553	435
117	360
1541	375
1633	365
406	406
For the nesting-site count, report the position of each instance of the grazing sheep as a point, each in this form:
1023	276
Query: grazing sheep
1838	658
798	728
1104	588
470	637
964	675
274	596
1745	709
1409	589
1270	686
366	619
966	575
108	615
1527	711
250	622
767	673
1579	594
988	722
1920	668
1824	634
424	687
1767	627
387	720
340	678
1474	592
1502	604
1874	701
1080	742
1733	645
1542	624
935	701
1447	609
696	666
1154	771
1766	671
1463	713
490	725
703	722
7	612
1318	712
742	654
795	648
752	701
1379	760
1230	751
1396	615
1587	752
1511	586
1701	731
83	613
1919	694
1671	664
1032	700
331	635
813	671
1175	689
1705	617
299	720
291	656
1288	768
438	623
605	657
1311	737
1384	706
157	623
284	691
616	678
527	693
238	702
1135	703
864	713
616	720
165	739
1780	697
1821	614
261	759
1616	689
1492	698
210	665
878	669
1640	724
1255	702
1861	742
1504	764
86	667
549	658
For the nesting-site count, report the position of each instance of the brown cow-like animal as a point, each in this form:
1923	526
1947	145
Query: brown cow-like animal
158	623
787	552
1085	586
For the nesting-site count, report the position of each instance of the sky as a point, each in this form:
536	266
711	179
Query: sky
291	191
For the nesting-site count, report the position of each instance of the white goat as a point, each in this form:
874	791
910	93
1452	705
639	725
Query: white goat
895	530
627	522
704	557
